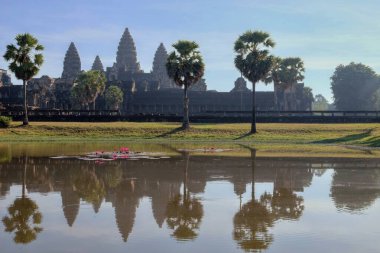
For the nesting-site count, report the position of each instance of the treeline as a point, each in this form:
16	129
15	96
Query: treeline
355	87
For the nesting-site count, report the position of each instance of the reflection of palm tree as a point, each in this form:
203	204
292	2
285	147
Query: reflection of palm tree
184	213
252	222
18	220
286	204
254	218
251	225
20	212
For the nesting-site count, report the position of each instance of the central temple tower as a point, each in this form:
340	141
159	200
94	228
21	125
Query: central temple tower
126	57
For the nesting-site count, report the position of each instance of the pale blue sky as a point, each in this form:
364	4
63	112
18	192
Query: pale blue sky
323	33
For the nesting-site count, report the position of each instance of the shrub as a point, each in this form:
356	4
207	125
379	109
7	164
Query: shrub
5	121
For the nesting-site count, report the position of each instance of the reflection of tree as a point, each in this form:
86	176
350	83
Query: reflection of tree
24	217
286	204
254	218
251	225
184	212
252	222
5	154
355	190
89	187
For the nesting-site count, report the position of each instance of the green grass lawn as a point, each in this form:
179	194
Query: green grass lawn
359	140
353	134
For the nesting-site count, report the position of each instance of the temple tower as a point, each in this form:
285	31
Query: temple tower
97	65
240	85
159	68
71	64
126	57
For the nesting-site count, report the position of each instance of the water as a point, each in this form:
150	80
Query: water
189	203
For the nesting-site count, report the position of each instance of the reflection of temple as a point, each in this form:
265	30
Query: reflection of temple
161	180
151	92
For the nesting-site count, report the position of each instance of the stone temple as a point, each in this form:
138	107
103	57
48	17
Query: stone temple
144	92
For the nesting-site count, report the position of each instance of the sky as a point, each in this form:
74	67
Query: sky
324	33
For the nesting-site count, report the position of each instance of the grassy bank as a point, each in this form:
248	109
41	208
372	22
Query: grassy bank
359	140
350	134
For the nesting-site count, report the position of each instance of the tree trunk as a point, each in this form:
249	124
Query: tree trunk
185	124
25	120
253	123
93	105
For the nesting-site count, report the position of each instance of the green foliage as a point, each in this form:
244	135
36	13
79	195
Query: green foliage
185	65
286	71
25	59
253	59
114	97
5	121
354	86
88	86
308	98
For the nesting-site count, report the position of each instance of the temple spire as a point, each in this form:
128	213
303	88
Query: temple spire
97	65
71	64
159	68
126	57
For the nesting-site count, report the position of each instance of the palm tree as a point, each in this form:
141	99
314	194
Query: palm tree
25	62
185	66
274	77
285	73
292	71
254	61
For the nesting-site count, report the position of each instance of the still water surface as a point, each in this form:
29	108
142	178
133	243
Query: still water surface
190	203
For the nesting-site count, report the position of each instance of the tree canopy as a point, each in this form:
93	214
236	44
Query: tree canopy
88	86
354	86
114	97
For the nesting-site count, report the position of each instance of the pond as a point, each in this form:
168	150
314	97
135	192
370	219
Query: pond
186	202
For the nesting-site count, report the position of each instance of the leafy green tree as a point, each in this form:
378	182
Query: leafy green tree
79	96
353	87
254	61
25	62
114	97
185	66
88	86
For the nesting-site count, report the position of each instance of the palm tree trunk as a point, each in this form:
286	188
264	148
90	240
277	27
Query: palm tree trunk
25	120
253	124
185	124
